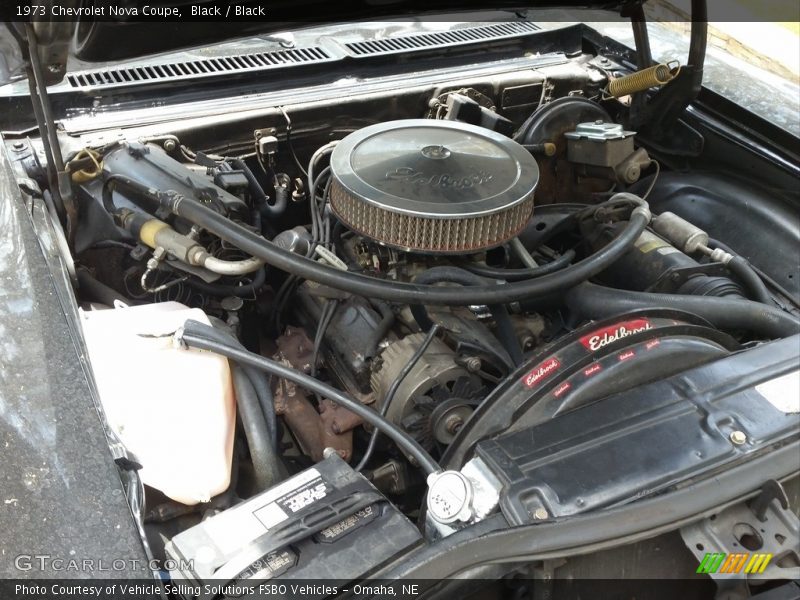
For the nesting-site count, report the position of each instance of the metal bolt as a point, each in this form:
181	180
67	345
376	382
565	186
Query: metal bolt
231	303
540	513
18	146
169	145
473	364
738	437
454	424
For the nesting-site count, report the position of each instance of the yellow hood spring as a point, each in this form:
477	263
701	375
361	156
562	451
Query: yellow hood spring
654	76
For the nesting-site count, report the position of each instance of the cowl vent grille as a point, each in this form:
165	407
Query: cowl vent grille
193	69
439	39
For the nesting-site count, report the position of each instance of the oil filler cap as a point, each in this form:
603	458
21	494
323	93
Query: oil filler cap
450	497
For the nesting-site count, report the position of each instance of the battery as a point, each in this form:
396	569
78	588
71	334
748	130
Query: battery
327	522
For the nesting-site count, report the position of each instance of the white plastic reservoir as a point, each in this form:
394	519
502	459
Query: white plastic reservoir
172	407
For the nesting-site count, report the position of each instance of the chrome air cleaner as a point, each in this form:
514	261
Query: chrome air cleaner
433	186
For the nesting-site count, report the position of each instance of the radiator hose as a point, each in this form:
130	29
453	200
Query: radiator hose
591	301
265	465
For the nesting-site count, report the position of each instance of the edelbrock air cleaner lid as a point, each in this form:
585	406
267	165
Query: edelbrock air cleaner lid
433	186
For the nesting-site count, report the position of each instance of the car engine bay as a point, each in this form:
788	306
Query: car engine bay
375	321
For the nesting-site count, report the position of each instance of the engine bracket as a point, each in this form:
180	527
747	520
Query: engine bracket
747	543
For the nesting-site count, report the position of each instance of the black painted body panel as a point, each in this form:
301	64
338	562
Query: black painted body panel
60	491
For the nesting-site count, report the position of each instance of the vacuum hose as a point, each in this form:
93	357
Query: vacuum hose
519	274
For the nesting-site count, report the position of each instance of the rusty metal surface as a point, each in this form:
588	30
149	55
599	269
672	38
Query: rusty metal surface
338	417
312	432
330	425
295	349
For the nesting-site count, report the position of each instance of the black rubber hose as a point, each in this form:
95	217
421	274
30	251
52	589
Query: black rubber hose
756	289
764	277
504	329
387	401
519	274
259	380
263	390
750	276
265	466
259	196
194	335
138	192
593	302
408	293
219	290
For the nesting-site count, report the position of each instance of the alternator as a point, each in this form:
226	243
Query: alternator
435	398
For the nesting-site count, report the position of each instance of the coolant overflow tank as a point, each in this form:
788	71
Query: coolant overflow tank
172	408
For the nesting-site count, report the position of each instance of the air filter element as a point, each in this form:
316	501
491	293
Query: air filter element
433	186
